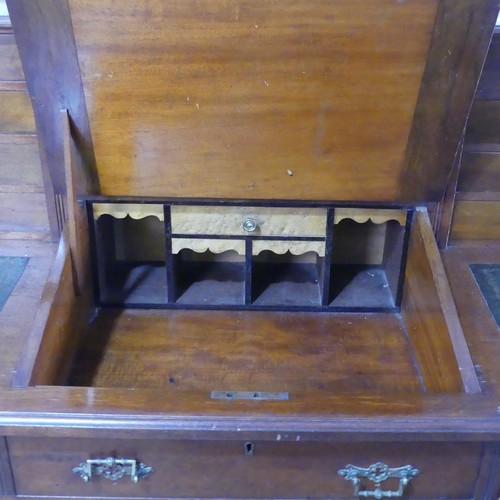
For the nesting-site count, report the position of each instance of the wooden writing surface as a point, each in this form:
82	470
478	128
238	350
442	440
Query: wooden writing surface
252	99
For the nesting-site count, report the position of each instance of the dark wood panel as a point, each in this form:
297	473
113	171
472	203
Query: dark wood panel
480	172
45	40
20	166
77	184
252	99
10	63
428	329
488	484
462	34
16	113
6	479
476	220
23	212
483	126
221	469
489	85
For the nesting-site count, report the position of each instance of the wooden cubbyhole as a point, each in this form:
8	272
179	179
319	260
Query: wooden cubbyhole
367	262
211	274
131	260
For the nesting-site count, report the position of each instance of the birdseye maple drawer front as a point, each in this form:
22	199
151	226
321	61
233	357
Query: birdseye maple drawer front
285	468
258	221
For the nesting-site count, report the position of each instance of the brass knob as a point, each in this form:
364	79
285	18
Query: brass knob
250	225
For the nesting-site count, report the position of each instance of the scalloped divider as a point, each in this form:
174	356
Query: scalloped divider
134	210
377	216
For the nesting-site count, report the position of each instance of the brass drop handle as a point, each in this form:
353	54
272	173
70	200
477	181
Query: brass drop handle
112	469
378	473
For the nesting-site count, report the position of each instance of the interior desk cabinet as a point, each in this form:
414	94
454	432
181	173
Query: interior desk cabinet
248	300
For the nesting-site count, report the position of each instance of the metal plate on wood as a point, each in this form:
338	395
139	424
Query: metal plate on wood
252	395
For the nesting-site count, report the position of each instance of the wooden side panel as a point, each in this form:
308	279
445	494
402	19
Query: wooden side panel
66	300
461	38
76	184
48	351
252	99
431	318
476	220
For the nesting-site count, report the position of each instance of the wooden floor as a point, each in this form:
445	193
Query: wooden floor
17	315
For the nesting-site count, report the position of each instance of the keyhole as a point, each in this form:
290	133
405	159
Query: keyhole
249	448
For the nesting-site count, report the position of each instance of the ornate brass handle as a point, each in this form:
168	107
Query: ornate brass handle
112	469
378	473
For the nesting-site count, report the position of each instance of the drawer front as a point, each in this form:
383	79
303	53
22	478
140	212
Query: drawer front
237	469
258	221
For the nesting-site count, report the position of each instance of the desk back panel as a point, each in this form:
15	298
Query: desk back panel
240	99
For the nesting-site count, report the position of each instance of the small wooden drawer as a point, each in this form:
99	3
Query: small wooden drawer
240	469
253	221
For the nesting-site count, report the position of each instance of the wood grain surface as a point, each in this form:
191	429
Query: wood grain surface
193	350
242	99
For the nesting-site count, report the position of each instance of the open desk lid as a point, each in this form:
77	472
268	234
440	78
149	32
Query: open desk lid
289	99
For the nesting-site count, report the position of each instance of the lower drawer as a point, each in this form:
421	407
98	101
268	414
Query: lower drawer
234	469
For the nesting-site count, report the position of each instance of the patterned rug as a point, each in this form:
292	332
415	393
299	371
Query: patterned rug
11	269
488	279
